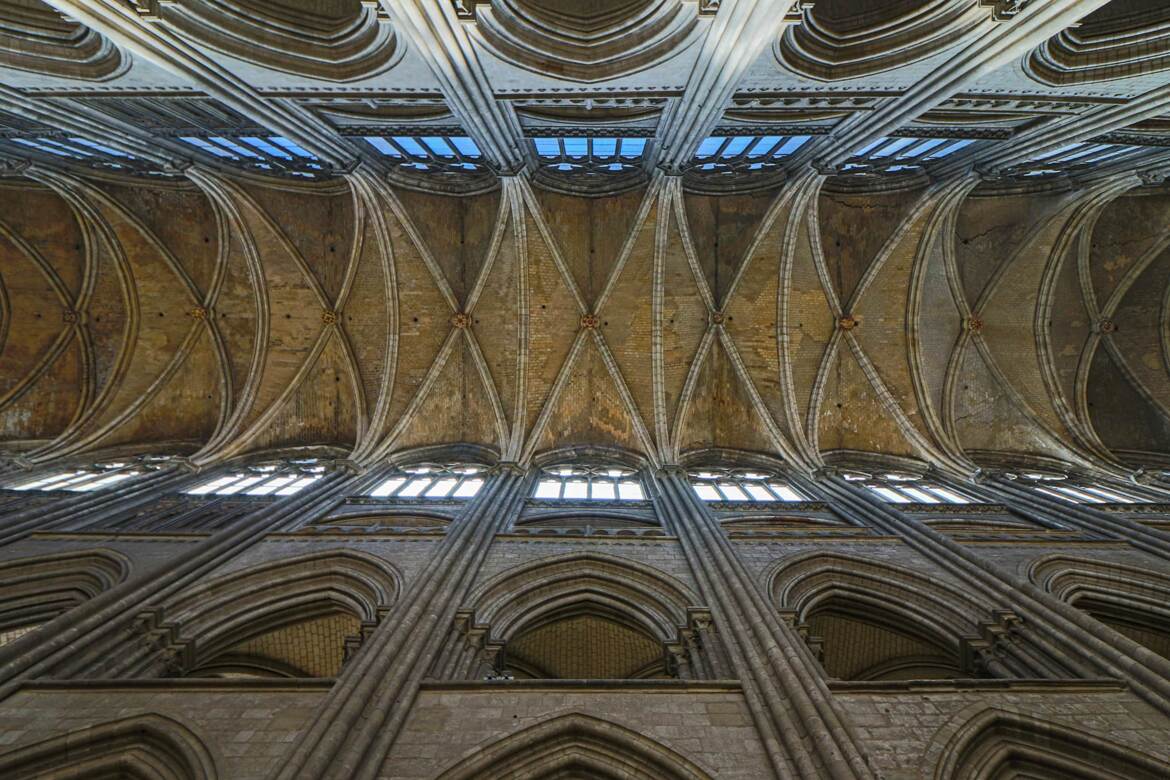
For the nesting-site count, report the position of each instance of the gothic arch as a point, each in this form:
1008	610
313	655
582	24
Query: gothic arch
587	41
731	458
463	452
34	37
144	747
1121	39
905	623
323	452
590	454
518	595
389	516
225	617
578	518
575	743
530	611
841	39
982	743
338	40
35	590
1131	600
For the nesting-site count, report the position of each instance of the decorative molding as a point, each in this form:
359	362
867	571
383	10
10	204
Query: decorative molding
829	45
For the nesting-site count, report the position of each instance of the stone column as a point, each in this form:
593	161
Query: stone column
1069	638
358	722
804	734
63	648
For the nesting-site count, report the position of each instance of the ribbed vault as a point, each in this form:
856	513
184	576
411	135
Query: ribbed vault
222	317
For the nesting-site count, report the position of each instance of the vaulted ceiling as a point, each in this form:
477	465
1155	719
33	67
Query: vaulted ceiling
225	317
161	290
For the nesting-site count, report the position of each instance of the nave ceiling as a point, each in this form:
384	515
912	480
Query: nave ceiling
223	318
244	252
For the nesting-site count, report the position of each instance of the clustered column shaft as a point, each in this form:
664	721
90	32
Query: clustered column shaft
798	722
1035	505
356	726
90	508
1071	640
62	649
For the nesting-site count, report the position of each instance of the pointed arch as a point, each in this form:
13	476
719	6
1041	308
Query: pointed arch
545	614
518	595
37	589
575	743
803	582
981	743
878	622
1131	600
144	747
227	616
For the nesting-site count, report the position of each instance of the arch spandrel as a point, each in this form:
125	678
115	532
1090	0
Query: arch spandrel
575	742
984	741
258	618
143	746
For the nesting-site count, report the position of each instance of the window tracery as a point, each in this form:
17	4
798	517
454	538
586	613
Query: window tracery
1075	491
902	488
590	155
58	147
272	154
729	484
589	483
96	476
429	153
1077	157
725	158
590	163
264	479
898	154
433	480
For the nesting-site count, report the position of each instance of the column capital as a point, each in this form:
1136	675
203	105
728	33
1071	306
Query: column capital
350	466
509	468
672	470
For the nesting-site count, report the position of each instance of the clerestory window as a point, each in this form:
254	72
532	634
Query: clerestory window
269	154
83	479
433	480
434	153
726	484
589	155
589	483
901	488
744	154
266	479
1075	491
895	154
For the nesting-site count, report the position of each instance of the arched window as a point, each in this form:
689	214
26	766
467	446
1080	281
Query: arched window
902	488
95	476
1076	491
263	479
728	484
589	483
433	480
